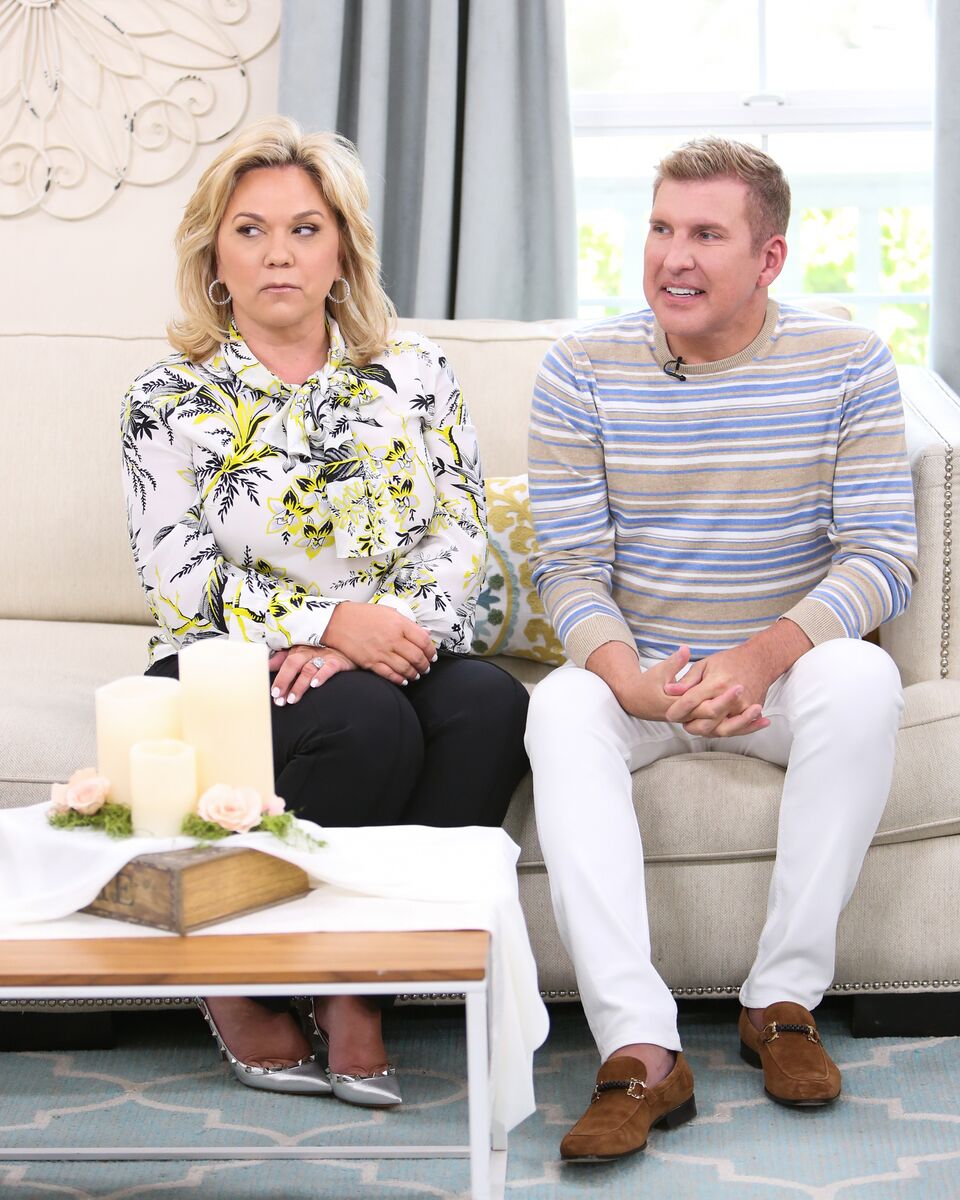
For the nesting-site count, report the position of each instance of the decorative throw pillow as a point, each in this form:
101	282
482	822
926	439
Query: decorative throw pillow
510	617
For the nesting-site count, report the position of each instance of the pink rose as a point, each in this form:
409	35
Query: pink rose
85	792
274	806
236	809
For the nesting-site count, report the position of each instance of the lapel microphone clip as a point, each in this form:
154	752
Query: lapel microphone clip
672	368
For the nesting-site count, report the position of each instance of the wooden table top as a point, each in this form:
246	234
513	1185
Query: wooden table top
395	956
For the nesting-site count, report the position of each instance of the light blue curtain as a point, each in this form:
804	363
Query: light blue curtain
945	309
460	112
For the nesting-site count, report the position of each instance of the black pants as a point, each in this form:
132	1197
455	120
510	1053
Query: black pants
446	750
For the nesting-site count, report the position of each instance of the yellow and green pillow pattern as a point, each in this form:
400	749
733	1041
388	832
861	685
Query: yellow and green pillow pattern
510	618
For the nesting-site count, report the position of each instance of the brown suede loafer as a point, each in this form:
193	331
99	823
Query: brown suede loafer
797	1071
623	1110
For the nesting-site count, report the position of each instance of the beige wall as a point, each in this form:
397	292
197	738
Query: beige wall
113	272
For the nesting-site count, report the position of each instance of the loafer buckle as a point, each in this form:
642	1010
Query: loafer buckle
772	1031
635	1088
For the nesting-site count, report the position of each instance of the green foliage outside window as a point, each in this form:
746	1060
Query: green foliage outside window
828	246
906	239
601	264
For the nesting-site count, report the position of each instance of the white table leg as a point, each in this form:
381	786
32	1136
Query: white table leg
478	1094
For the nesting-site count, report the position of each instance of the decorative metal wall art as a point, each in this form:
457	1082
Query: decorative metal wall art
96	95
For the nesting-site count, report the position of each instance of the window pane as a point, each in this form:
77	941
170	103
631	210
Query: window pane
850	44
602	235
862	225
698	45
826	246
906	243
906	330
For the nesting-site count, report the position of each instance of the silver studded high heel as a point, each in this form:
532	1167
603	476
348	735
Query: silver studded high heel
379	1089
306	1077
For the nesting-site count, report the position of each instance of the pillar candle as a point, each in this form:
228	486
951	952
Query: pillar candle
163	786
130	710
225	697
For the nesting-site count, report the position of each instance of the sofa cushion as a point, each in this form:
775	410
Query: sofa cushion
64	413
48	670
718	807
510	616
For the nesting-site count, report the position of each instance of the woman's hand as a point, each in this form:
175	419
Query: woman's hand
297	670
381	640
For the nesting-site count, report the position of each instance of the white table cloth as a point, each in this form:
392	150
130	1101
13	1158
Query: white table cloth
388	878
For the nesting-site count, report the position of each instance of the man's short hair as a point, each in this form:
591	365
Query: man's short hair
768	196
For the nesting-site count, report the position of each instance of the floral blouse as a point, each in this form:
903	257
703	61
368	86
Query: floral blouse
254	506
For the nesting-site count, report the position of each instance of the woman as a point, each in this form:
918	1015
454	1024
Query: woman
299	474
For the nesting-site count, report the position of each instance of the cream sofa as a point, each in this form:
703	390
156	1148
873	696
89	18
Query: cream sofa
72	617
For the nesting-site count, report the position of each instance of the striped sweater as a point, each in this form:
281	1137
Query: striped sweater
773	483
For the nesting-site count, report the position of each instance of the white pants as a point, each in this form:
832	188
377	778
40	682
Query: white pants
833	724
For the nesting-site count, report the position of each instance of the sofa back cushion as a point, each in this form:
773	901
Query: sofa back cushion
65	536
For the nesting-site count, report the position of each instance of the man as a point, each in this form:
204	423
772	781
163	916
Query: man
724	508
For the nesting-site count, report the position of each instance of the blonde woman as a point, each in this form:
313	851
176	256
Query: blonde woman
300	474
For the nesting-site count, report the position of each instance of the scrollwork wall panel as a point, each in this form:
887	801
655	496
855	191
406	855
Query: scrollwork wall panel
97	95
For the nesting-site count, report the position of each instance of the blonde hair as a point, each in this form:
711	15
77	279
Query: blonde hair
768	194
365	319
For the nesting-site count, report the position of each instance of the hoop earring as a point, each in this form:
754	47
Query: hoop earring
346	291
213	299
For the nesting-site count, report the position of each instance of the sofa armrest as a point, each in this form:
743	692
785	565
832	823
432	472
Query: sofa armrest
924	640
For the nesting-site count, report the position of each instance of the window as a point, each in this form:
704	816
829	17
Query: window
839	92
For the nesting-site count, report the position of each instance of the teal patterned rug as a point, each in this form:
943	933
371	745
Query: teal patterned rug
894	1135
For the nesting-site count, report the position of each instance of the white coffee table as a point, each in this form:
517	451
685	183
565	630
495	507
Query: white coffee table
431	961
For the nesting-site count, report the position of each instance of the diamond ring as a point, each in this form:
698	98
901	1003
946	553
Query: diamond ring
317	662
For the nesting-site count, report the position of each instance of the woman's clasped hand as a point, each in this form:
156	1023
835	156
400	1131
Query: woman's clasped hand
382	640
368	636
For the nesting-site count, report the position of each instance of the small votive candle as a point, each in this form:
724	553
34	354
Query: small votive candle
133	709
163	786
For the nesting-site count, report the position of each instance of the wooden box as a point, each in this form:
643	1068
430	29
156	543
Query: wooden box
181	890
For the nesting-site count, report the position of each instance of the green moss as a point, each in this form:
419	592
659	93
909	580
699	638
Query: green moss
113	819
280	825
206	831
117	822
285	827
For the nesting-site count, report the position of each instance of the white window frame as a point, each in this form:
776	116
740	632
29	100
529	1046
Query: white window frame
761	113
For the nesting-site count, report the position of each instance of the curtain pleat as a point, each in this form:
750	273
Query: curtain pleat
460	112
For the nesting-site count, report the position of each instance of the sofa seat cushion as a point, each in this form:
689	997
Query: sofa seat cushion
48	670
718	807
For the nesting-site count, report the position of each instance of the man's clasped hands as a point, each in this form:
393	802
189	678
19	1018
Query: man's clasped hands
721	695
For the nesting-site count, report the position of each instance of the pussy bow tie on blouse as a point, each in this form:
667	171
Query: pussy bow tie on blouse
297	428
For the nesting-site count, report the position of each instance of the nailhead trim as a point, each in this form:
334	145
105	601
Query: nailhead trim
731	989
950	985
945	593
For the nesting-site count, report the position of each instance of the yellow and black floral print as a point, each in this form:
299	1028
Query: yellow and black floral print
254	506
